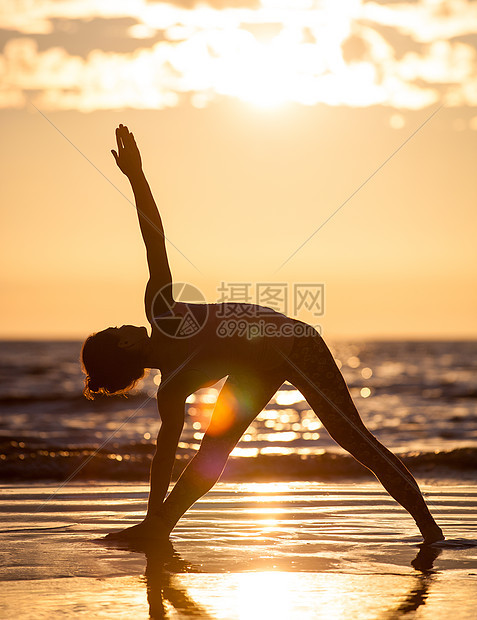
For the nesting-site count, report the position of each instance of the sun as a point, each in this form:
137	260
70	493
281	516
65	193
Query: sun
300	60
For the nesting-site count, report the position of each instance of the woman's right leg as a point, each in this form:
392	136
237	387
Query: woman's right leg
239	402
313	371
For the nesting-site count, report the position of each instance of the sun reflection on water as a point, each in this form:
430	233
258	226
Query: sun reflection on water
288	397
275	594
254	600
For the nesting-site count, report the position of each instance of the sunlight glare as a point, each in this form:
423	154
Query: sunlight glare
252	604
288	397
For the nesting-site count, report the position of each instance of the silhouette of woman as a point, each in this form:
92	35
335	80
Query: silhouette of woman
196	345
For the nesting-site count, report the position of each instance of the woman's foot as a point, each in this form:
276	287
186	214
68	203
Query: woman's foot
152	528
432	534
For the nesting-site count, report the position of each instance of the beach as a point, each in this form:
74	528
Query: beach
245	551
296	529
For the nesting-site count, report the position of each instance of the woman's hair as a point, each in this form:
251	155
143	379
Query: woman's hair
109	369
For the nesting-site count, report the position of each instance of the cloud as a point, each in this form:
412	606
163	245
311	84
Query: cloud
221	64
441	63
104	80
425	21
215	4
81	36
102	55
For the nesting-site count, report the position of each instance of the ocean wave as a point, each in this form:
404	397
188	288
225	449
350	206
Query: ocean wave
75	397
432	391
22	462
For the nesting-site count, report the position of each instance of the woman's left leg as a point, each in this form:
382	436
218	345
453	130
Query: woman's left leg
239	402
313	371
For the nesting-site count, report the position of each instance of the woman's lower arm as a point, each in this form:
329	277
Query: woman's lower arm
161	471
163	462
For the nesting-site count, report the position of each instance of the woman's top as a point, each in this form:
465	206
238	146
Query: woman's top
223	339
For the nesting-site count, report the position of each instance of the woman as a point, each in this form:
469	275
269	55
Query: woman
194	346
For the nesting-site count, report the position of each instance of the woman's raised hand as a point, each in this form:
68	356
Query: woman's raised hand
127	156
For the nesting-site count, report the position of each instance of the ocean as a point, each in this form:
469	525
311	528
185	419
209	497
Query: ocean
419	398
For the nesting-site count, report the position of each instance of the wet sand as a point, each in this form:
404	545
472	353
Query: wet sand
245	551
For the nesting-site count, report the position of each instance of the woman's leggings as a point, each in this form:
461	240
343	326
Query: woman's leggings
310	367
313	371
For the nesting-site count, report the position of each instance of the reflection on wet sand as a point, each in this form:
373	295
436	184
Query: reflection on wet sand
162	565
244	552
166	593
423	563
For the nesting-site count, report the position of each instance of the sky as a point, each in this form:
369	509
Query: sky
327	147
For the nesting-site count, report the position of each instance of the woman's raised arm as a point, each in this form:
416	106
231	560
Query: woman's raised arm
128	160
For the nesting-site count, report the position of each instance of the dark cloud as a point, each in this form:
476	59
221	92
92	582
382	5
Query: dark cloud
81	36
308	36
263	32
359	47
400	42
355	49
468	39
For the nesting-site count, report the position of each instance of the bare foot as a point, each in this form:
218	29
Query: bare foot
152	528
433	535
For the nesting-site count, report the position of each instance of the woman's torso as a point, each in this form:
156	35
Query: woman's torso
207	342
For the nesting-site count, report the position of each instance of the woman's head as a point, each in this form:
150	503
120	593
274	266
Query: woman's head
114	360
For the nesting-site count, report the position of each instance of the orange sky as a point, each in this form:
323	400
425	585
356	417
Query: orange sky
242	178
